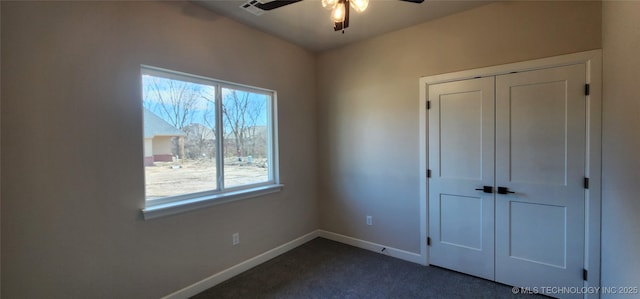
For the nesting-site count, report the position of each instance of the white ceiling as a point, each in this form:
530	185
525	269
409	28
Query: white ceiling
309	25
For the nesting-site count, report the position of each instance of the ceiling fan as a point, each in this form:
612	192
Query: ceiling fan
339	8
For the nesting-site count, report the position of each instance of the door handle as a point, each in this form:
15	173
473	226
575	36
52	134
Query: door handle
504	190
486	189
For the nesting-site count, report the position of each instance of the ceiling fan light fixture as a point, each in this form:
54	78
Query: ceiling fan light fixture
329	4
338	13
359	5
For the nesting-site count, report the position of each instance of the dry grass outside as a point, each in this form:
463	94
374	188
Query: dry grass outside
177	178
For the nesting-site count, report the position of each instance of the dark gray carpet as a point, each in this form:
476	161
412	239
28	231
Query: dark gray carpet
326	269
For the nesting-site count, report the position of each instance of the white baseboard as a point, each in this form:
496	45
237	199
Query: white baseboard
223	275
390	251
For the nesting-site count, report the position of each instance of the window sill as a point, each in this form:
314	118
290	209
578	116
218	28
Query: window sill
171	208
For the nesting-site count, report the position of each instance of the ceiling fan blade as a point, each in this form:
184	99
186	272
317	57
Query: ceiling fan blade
275	4
413	1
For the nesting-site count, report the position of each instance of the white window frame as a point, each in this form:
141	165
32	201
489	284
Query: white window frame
165	206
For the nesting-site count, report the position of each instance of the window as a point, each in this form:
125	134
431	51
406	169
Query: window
205	141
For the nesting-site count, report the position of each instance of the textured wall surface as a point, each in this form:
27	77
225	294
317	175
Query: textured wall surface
71	223
621	146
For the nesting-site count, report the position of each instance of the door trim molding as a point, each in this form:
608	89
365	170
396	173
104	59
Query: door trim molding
593	200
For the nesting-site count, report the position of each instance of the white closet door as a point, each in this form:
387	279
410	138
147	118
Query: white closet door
540	155
461	149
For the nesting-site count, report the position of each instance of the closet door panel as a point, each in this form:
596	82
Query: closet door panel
461	138
540	157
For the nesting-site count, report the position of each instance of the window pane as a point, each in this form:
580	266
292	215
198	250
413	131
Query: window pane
179	136
246	123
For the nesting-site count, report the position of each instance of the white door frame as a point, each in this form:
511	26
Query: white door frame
593	61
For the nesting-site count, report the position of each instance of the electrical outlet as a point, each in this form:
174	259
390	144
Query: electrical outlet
236	238
369	220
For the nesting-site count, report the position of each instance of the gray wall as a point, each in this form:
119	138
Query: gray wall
621	146
72	148
0	160
368	104
72	184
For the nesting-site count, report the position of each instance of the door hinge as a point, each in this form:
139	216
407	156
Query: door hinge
428	105
428	241
428	173
586	183
585	274
586	89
